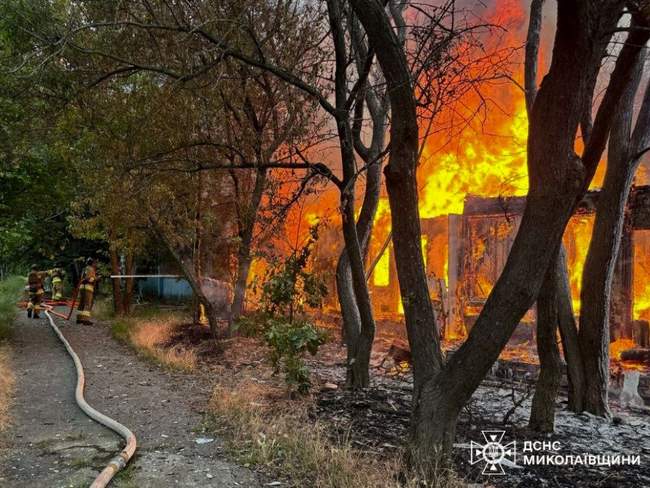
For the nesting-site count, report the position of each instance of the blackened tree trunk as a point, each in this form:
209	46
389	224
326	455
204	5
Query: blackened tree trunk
622	162
557	179
542	415
569	333
247	221
556	286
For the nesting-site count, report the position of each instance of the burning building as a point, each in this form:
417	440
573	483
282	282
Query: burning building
465	253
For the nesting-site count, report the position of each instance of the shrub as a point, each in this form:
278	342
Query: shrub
289	341
252	325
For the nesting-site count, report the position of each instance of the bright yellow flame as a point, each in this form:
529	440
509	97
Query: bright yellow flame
487	165
381	273
423	242
576	240
641	275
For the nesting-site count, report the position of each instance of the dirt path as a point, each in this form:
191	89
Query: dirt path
53	444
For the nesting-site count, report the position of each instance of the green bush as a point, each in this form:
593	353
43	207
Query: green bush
10	292
289	341
252	325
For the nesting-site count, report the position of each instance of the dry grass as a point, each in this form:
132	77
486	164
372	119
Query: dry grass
283	439
150	336
6	387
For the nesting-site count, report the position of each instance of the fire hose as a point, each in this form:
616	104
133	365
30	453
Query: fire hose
119	461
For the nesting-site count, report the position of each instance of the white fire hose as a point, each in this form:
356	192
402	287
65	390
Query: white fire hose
119	461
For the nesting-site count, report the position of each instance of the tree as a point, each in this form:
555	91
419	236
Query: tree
36	184
558	179
627	144
554	305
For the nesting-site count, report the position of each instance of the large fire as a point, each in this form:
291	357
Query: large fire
487	159
483	164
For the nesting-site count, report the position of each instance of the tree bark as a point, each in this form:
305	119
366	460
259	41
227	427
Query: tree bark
358	369
569	334
542	415
604	246
127	298
344	283
118	304
556	286
186	264
246	232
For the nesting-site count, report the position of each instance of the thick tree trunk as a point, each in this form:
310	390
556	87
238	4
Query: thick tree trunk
246	232
604	246
542	415
118	304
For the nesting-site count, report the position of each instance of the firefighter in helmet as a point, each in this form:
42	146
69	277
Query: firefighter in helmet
57	283
86	290
35	284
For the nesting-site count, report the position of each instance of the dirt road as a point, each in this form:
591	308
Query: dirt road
53	444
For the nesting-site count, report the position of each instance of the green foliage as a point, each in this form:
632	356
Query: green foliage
252	325
289	342
37	183
290	286
10	290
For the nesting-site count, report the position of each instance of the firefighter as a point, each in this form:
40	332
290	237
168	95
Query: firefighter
57	283
86	290
35	284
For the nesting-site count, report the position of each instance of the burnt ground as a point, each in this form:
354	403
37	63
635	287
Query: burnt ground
377	422
53	444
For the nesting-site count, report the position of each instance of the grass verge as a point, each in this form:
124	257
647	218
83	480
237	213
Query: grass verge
284	440
150	335
9	294
6	386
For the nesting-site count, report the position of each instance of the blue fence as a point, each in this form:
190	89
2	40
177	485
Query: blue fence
165	288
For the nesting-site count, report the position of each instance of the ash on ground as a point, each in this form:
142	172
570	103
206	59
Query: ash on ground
377	421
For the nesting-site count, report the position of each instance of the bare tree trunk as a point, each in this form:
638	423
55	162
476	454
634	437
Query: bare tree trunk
569	334
622	162
358	373
118	304
246	232
554	301
542	415
344	282
378	110
127	299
